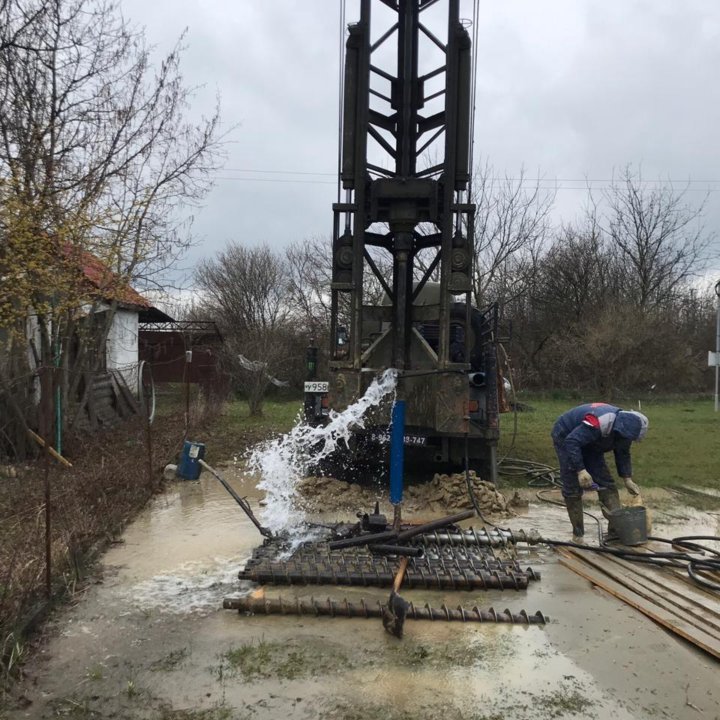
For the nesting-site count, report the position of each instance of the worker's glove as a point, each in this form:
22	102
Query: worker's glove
585	479
631	487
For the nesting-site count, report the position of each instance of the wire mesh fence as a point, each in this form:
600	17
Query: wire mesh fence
113	474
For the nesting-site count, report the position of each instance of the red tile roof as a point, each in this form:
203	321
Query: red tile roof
110	285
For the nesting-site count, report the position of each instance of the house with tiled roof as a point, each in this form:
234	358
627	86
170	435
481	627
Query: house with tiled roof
131	309
117	310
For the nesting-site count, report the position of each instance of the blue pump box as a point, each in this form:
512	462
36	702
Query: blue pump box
189	468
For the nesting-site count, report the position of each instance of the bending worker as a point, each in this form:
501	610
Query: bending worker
581	437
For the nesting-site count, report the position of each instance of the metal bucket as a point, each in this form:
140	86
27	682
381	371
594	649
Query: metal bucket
629	524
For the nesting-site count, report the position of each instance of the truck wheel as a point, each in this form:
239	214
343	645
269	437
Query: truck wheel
457	317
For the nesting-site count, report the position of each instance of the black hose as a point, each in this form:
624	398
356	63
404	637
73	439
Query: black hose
471	492
538	474
545	476
693	565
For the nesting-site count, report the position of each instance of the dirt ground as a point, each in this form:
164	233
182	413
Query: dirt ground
149	638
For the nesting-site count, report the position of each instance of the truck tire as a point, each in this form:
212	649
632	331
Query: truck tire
457	316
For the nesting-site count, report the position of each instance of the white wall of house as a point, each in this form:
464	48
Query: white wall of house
122	345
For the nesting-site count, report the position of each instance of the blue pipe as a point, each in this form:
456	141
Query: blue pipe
397	452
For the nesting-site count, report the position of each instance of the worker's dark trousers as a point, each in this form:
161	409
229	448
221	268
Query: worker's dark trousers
594	463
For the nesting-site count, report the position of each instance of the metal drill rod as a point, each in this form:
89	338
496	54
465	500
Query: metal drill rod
470	536
403	535
365	539
363	609
373	562
381	562
434	525
428	579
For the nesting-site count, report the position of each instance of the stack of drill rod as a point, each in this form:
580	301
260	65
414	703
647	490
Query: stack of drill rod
451	560
437	555
440	567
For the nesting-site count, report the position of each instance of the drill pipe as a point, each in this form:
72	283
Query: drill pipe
361	609
471	536
420	578
434	525
402	536
366	539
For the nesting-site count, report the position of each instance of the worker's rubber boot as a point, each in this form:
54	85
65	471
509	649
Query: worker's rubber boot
575	513
609	501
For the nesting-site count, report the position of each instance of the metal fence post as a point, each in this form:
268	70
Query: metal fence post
717	346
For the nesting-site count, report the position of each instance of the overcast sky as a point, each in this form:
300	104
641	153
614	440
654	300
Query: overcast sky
569	89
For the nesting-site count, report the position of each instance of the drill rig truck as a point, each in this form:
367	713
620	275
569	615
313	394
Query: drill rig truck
405	169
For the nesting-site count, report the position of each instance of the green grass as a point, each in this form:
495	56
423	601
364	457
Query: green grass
287	660
234	429
276	417
682	445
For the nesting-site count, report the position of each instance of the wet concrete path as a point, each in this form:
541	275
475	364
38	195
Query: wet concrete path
151	640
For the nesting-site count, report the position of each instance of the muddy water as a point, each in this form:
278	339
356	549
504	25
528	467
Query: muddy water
185	550
151	640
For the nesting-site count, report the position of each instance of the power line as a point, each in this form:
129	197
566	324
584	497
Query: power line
548	185
279	172
496	178
274	180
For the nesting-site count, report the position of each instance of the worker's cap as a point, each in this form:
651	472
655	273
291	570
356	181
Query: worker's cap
631	424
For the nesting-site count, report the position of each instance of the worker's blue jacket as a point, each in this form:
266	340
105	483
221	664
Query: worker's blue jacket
598	428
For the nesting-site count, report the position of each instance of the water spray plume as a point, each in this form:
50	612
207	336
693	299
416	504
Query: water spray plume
283	461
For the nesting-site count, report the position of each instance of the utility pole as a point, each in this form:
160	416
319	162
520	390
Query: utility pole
186	373
717	346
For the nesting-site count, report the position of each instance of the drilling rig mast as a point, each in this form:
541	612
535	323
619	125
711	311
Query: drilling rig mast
405	172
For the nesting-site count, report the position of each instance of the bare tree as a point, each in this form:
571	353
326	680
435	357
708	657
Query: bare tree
15	17
577	274
512	220
96	157
309	264
658	235
246	290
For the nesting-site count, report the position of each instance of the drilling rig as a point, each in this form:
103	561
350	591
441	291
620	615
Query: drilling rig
405	171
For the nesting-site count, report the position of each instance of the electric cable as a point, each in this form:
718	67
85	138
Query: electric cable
473	91
694	566
341	93
495	178
545	477
539	474
471	492
514	401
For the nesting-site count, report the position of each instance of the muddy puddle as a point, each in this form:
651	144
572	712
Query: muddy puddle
150	639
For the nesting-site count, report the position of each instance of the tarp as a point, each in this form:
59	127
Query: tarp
254	366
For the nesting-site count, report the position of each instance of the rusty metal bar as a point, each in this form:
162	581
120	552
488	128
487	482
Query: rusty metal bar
363	609
434	525
366	539
403	535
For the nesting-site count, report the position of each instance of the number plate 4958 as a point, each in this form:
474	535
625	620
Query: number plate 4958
317	387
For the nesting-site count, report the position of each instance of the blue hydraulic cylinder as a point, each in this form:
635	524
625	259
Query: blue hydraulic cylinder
397	451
